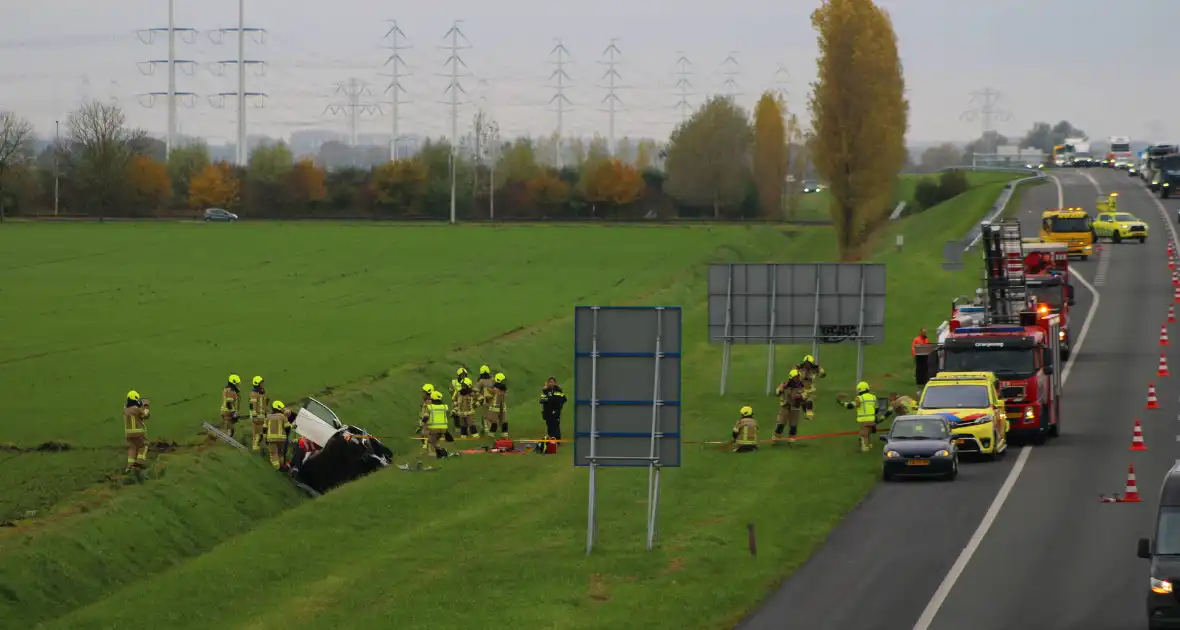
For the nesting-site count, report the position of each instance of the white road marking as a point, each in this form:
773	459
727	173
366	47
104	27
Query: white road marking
952	576
1092	181
1103	267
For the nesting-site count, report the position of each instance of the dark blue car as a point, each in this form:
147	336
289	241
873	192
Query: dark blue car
919	446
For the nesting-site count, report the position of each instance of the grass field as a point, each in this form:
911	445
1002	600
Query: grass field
814	206
360	317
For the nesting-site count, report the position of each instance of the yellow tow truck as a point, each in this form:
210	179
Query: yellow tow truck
1071	226
971	402
1115	225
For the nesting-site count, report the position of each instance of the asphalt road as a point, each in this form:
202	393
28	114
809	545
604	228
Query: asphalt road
1054	556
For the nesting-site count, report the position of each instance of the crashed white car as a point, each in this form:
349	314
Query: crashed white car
344	452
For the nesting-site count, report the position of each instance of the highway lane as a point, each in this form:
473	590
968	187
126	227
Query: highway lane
1055	557
881	564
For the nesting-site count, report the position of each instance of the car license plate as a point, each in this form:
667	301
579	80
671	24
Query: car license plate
918	462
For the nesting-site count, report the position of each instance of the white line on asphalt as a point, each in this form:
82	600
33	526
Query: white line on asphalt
1103	267
1092	181
952	576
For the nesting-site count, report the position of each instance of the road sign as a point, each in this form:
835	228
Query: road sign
785	303
627	395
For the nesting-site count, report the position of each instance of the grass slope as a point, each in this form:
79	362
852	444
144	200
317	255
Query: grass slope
511	533
814	206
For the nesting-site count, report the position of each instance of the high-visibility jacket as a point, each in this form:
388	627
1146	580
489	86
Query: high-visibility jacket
258	404
229	400
276	426
918	341
436	419
747	431
133	421
866	407
455	387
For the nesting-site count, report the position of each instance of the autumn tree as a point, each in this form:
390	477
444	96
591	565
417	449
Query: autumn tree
548	190
15	135
708	157
770	154
150	185
613	183
306	182
184	163
267	171
860	114
399	187
645	154
215	186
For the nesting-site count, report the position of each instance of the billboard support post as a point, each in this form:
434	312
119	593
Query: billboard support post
791	303
628	413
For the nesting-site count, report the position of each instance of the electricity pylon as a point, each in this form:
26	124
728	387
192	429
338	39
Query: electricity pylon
188	66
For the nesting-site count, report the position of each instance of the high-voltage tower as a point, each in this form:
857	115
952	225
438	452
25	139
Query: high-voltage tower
188	66
259	36
782	79
611	75
560	77
395	89
987	114
683	71
731	69
454	87
355	90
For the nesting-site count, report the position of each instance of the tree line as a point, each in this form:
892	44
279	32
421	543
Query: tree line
723	162
1041	137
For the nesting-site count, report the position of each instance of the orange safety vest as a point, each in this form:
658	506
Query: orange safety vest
918	341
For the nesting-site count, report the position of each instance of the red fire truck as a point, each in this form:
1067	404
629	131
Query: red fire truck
1046	267
1018	341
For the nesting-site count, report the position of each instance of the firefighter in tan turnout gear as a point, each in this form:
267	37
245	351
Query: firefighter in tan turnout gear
427	390
136	411
745	432
809	371
230	400
495	415
464	401
277	424
456	385
791	399
258	411
867	418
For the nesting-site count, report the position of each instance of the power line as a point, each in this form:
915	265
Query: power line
217	37
683	71
454	87
354	89
395	88
147	36
612	54
559	74
987	114
782	78
731	69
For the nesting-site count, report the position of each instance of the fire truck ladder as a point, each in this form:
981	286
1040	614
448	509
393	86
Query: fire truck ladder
1003	254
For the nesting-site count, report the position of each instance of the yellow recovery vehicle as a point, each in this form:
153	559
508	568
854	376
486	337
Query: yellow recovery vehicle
1071	226
1115	225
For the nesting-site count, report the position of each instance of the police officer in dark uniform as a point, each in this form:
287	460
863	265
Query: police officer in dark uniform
552	400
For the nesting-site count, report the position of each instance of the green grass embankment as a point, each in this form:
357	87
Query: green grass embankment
500	538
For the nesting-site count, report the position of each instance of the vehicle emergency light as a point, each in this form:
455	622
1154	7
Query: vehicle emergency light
1043	309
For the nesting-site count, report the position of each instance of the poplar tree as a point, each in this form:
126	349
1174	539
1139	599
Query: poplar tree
860	115
770	154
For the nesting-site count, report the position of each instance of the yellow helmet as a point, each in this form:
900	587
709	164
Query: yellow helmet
809	359
793	374
483	369
256	381
234	379
278	405
462	371
466	381
436	396
746	411
428	388
500	377
862	387
133	396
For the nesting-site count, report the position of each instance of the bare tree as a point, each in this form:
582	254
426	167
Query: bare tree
102	146
15	136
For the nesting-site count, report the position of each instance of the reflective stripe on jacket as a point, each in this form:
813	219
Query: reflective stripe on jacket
437	418
747	431
866	407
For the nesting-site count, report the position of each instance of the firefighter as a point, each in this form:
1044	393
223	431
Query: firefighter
865	404
230	397
495	415
464	409
483	388
136	411
552	400
745	432
258	411
809	371
791	395
427	389
277	424
456	385
434	424
900	406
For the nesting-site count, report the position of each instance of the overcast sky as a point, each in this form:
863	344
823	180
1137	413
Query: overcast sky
1094	62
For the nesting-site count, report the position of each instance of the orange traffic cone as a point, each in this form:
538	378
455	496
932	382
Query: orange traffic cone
1137	443
1163	369
1131	494
1175	278
1176	295
1171	313
1152	401
1163	334
1171	263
